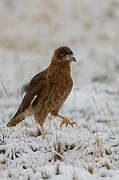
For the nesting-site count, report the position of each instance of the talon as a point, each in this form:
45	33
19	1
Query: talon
66	121
72	123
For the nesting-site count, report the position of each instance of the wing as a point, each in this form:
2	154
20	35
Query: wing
35	88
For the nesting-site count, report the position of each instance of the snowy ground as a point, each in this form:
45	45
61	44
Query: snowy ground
29	33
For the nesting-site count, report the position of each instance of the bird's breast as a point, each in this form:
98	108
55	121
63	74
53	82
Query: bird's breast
59	90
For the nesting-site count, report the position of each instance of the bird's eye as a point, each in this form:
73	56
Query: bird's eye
71	53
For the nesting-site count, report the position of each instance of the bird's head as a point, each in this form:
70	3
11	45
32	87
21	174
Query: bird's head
63	55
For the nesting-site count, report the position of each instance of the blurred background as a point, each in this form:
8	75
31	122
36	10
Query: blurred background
30	30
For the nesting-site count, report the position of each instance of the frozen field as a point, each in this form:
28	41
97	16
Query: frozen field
29	33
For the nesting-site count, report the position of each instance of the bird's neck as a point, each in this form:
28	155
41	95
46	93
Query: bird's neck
60	67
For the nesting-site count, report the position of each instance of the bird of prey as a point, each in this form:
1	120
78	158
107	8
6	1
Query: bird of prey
48	90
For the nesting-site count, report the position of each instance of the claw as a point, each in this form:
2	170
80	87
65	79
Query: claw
72	123
66	121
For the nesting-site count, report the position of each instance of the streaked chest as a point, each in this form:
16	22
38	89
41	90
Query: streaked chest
61	85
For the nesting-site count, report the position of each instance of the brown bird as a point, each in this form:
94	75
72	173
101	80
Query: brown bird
48	90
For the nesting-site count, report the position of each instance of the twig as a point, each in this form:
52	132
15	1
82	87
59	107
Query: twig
98	141
4	88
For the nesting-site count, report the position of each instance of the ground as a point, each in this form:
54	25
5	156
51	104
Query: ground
30	31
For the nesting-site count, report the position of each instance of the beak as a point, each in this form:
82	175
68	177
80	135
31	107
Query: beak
72	58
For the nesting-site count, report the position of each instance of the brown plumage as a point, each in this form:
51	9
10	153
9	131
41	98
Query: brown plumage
48	90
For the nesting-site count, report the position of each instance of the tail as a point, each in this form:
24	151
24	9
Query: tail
16	119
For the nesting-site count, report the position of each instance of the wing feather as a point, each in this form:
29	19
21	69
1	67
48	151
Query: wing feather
36	87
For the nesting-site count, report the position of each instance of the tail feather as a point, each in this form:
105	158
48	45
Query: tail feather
16	119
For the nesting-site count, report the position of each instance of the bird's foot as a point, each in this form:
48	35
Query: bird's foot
66	121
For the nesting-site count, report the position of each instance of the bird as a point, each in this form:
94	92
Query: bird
47	91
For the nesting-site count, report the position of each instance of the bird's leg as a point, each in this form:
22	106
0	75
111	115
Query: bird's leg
66	121
40	118
42	132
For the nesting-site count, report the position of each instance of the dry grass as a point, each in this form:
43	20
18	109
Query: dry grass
3	86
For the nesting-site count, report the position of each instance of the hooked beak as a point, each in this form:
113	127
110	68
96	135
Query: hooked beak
71	58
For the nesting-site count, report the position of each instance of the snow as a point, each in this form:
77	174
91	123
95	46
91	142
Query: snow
30	31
